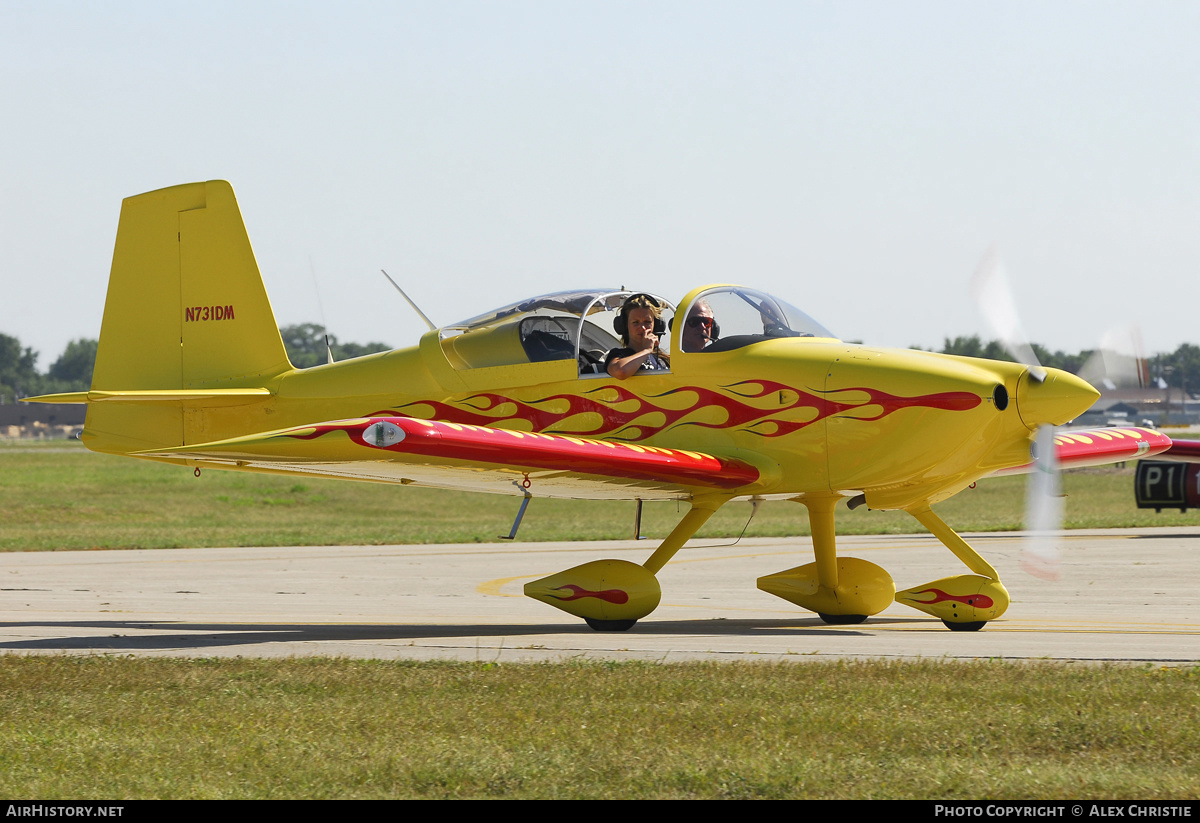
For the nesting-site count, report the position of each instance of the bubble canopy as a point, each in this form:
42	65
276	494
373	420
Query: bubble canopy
577	303
578	325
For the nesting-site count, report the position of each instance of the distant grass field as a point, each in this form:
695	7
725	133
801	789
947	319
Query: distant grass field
320	728
58	495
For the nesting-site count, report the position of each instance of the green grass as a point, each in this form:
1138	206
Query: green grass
97	727
61	496
322	728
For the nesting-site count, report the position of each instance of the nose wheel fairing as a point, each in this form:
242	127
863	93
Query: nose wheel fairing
960	598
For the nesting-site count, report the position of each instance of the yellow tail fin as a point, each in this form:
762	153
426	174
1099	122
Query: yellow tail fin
186	309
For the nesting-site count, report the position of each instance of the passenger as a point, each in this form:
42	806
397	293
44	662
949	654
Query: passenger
640	325
700	329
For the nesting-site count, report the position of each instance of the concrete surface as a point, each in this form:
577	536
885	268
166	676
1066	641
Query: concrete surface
1124	595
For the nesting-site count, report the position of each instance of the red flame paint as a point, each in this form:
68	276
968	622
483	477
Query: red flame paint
619	414
979	601
616	596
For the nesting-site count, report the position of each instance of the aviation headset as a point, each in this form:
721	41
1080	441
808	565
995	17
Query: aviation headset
621	321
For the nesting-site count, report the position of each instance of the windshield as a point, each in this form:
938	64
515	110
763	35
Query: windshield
742	316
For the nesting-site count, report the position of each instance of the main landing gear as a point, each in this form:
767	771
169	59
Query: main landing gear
612	595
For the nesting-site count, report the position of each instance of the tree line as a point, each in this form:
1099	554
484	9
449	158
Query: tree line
19	375
1180	368
305	344
72	371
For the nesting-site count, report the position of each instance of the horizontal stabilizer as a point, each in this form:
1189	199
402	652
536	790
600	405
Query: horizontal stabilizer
188	397
61	397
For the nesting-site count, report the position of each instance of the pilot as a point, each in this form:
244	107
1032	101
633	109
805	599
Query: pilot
700	329
640	325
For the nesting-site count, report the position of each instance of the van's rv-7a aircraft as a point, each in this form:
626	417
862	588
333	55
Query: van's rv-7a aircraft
191	370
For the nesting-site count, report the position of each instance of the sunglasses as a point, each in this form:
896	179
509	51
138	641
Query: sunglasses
697	322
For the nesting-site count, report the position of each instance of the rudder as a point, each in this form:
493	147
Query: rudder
186	309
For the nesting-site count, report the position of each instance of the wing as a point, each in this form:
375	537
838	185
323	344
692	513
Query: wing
1097	447
474	458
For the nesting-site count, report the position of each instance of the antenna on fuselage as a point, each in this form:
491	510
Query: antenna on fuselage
428	322
321	310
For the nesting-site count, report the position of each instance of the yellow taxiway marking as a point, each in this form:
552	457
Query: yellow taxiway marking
493	587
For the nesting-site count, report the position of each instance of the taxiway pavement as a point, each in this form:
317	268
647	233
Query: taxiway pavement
1128	596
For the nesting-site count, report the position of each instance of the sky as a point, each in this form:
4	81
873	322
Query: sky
857	159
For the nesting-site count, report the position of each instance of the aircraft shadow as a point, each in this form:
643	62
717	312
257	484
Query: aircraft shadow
1164	536
185	636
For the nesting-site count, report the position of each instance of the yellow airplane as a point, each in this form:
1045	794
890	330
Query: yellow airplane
191	370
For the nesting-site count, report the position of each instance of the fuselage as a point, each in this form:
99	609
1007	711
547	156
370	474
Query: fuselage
813	415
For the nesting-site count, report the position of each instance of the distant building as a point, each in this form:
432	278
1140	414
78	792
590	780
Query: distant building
1136	407
41	420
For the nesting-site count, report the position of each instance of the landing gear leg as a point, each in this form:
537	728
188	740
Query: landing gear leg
696	517
964	602
612	595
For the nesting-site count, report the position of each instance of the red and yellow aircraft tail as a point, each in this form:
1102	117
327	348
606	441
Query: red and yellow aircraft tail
187	324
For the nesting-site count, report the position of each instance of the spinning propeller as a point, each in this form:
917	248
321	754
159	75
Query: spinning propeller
1043	497
1119	361
994	298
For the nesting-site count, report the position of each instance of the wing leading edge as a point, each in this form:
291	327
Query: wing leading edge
450	455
